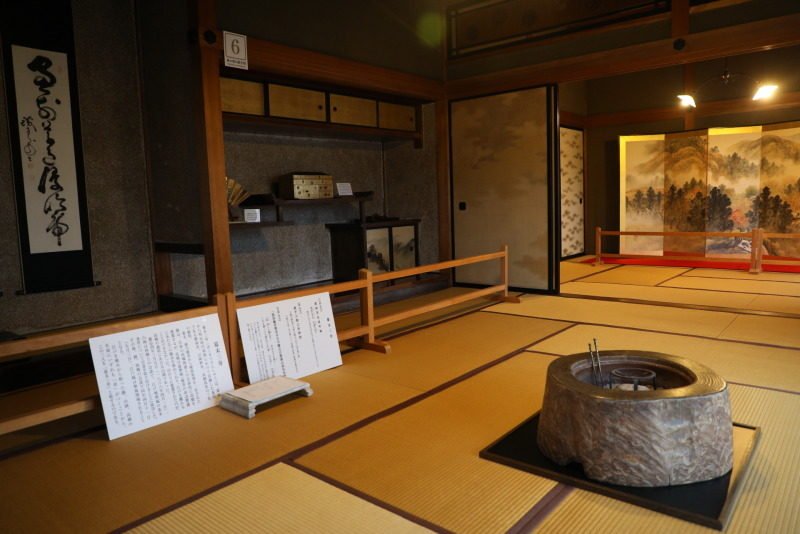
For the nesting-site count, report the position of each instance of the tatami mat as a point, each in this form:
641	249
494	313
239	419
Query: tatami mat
280	499
424	459
100	485
660	318
744	275
640	275
773	330
571	270
763	287
108	484
432	356
661	294
776	304
737	362
768	502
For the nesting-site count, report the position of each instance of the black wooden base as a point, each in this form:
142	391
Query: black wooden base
706	503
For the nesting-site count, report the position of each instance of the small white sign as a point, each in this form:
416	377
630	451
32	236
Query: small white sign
235	50
152	375
292	338
252	215
344	189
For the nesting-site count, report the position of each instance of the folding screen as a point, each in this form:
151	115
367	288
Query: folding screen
503	186
716	180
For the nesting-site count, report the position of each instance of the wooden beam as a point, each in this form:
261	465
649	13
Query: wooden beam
679	18
273	58
712	44
443	178
704	109
567	118
213	195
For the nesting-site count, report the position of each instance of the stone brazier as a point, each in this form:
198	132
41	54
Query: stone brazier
678	433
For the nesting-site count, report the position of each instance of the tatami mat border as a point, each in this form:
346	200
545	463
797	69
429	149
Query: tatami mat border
594	274
577	323
690	269
541	509
369	498
734	292
719	278
701	307
289	457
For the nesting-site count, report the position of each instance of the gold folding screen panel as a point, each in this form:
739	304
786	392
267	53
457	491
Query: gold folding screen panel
715	180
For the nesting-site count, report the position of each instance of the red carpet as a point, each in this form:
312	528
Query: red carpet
707	264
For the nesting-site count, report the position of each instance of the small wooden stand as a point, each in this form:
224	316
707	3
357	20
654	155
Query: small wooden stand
244	401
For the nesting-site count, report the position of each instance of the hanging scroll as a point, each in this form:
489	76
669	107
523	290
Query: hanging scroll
41	91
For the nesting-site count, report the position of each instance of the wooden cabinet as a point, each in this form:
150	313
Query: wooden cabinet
397	116
296	103
379	246
353	110
242	96
258	104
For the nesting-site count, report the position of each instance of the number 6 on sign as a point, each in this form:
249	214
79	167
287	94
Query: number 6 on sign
235	50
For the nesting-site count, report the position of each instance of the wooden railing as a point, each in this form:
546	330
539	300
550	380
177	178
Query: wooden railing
79	394
756	236
363	336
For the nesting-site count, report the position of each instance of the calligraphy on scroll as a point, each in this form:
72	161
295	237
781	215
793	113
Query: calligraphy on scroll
41	84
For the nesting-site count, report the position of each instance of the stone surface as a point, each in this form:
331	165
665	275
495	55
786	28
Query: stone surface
665	437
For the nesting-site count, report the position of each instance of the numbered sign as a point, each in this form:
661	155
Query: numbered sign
235	50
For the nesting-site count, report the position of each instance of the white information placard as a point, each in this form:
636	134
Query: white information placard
235	50
292	338
152	375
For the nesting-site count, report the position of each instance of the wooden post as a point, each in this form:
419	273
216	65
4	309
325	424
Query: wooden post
598	245
504	296
234	352
367	295
211	150
756	254
367	304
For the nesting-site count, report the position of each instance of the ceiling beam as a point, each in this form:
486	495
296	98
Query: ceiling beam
704	109
735	40
273	58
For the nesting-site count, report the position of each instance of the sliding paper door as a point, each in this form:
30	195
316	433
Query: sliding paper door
503	187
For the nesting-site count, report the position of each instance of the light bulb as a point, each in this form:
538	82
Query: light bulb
764	92
687	101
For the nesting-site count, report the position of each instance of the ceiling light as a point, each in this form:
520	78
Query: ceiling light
687	101
765	92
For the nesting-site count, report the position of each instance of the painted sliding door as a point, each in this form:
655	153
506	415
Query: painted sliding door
500	186
572	220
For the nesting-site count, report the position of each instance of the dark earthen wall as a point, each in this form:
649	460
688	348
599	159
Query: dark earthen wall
411	186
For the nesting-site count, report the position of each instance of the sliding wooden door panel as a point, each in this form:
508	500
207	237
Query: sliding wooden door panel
502	185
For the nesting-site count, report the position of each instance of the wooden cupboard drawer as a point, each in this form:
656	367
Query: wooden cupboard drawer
353	110
397	117
240	96
295	103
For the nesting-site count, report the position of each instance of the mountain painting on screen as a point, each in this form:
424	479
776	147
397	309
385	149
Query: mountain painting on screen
643	184
777	205
685	169
734	157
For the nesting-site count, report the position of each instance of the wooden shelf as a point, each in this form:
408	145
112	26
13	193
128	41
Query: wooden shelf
253	123
241	224
279	203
